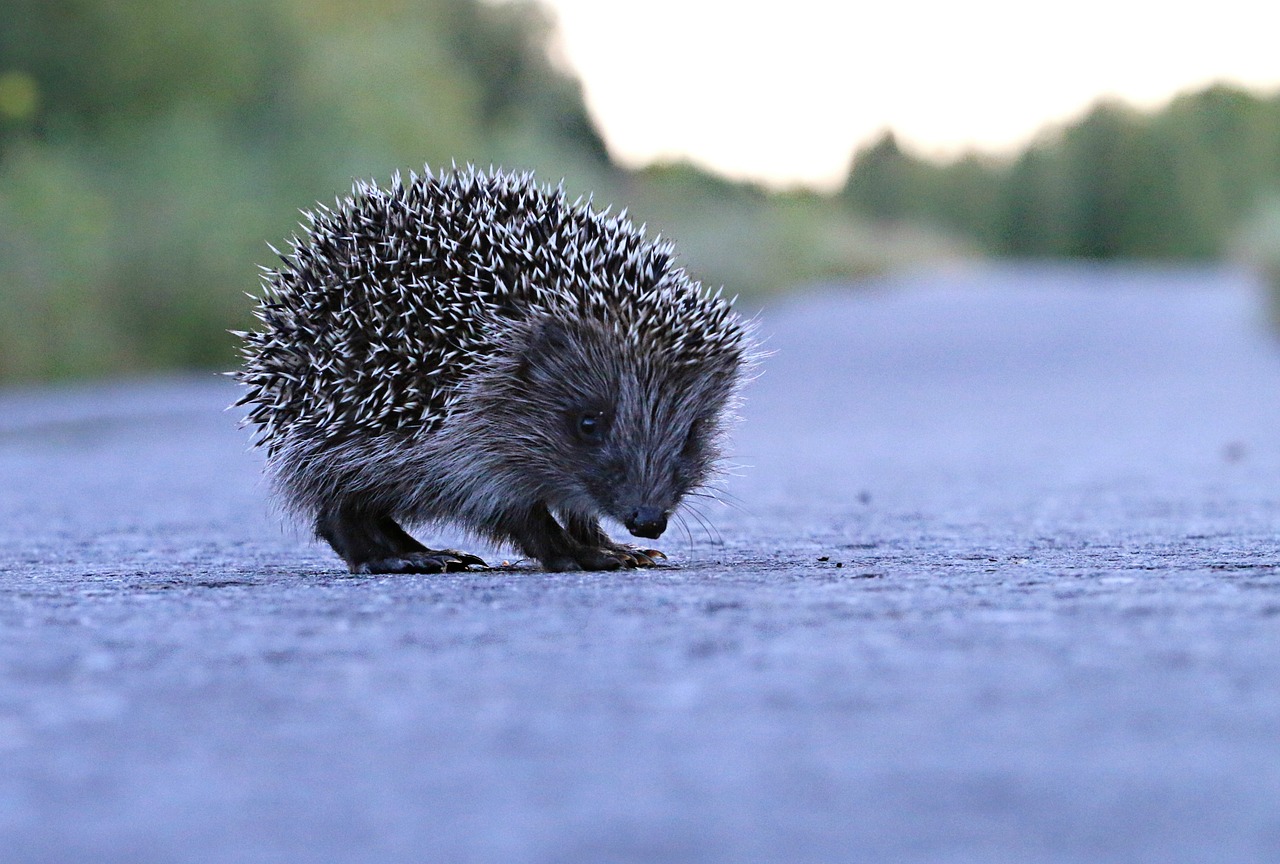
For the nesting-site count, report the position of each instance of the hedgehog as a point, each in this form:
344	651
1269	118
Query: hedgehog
469	347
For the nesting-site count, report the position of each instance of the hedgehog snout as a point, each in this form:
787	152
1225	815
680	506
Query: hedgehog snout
647	522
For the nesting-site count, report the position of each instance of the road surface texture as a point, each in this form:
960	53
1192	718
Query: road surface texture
1001	584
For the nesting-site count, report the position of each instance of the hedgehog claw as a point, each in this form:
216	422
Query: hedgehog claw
612	556
635	557
461	561
464	559
429	561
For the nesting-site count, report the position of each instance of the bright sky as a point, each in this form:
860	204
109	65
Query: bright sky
784	92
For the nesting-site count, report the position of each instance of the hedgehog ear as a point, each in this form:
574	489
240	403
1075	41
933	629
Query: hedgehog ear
551	338
547	339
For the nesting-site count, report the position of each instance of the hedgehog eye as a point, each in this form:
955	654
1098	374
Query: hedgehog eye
590	427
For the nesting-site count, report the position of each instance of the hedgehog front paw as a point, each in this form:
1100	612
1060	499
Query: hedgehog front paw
612	557
427	561
639	557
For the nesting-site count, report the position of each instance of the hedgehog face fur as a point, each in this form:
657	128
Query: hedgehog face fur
605	427
471	348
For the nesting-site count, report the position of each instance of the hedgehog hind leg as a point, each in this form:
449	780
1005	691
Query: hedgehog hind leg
377	544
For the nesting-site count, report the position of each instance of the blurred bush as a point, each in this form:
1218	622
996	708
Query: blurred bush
1117	182
754	240
1257	247
149	151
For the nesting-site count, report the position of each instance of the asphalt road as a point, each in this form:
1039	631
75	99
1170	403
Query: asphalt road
1001	583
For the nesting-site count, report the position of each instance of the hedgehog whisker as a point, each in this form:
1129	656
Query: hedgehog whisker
713	534
684	526
729	499
732	469
723	498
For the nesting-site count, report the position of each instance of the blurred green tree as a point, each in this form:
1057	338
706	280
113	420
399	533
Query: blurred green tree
149	149
99	65
883	181
1117	182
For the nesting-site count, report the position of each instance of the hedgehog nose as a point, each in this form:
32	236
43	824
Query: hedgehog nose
647	522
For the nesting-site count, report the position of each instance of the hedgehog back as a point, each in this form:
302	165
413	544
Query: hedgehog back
392	297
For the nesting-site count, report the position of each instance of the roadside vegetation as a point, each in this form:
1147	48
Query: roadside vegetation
150	150
1178	183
